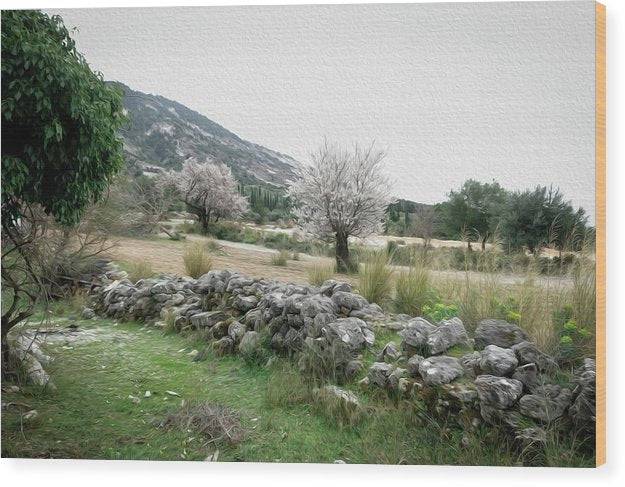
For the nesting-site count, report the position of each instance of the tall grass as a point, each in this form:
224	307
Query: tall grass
141	269
375	277
319	273
196	260
412	290
280	258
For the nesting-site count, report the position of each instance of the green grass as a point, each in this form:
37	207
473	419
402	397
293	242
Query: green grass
89	415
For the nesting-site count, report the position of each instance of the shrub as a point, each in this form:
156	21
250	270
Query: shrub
319	273
196	260
140	270
280	258
412	291
440	311
212	245
375	280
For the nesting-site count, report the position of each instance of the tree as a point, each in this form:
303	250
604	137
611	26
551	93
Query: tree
342	194
473	212
60	147
540	217
208	190
423	222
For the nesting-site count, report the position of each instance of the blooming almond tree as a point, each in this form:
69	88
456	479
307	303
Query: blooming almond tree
209	191
342	193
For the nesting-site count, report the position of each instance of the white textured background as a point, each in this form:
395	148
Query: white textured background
452	91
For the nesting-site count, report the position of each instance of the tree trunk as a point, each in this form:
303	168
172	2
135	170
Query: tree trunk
203	217
343	263
483	244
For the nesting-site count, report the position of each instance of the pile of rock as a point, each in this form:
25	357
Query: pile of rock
499	374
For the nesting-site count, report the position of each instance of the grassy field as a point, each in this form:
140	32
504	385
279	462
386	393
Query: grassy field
99	410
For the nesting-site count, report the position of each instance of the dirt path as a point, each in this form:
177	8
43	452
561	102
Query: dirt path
166	256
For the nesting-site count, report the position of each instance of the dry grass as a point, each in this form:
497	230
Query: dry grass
215	422
196	260
375	281
280	258
319	273
141	269
412	290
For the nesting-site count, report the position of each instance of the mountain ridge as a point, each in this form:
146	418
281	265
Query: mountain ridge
162	134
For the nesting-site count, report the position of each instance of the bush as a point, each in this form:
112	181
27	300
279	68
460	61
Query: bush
319	273
280	258
140	270
412	291
196	260
440	311
375	281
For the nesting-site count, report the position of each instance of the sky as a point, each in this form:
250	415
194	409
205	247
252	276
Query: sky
489	91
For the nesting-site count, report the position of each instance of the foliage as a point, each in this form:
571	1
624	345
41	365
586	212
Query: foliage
439	311
266	204
280	258
341	194
473	211
196	260
59	121
375	277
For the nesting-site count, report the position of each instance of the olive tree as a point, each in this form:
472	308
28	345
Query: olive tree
60	148
341	194
209	190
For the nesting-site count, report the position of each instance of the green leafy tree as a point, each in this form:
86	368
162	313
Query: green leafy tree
540	217
60	147
473	211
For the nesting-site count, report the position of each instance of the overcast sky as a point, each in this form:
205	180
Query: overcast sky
500	91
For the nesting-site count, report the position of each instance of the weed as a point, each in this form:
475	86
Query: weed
319	273
196	260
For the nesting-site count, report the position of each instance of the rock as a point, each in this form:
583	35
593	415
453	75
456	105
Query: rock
395	376
208	319
507	418
352	332
528	375
293	340
352	369
389	353
236	330
546	407
446	335
329	287
134	399
147	394
378	374
371	312
347	399
30	416
315	304
498	392
413	365
415	335
462	394
498	361
245	303
220	329
88	314
530	437
251	343
498	332
349	301
223	346
528	353
582	411
471	364
440	370
172	393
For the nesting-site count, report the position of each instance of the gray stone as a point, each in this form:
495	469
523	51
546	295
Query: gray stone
251	342
582	411
528	375
331	286
508	418
349	301
498	361
471	364
315	304
463	394
528	353
245	303
413	365
498	392
208	319
223	346
415	334
389	353
236	330
378	374
440	370
498	332
395	376
353	368
529	437
88	313
347	399
352	332
546	407
446	335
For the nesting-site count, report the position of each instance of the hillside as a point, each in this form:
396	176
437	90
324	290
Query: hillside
163	133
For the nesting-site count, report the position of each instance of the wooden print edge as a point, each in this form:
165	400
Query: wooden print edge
600	208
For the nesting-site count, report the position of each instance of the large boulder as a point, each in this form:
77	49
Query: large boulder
440	370
223	346
379	373
413	365
236	330
245	303
498	332
329	287
498	361
471	364
582	411
316	304
446	335
251	343
208	319
528	375
498	392
389	353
